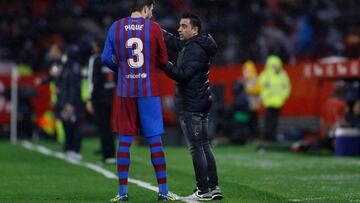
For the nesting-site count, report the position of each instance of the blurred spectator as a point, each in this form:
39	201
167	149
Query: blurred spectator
353	42
102	85
275	89
334	109
66	73
252	89
237	116
354	118
306	45
273	41
26	122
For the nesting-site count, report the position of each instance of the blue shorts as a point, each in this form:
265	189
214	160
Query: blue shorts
141	115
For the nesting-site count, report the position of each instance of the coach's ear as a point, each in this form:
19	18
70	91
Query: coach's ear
195	30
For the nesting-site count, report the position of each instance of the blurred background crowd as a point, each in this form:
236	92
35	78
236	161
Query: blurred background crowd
292	29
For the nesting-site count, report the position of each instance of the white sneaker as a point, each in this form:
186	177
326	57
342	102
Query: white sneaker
199	196
73	156
109	161
216	193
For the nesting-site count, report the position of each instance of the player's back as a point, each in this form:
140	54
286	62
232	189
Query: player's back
139	48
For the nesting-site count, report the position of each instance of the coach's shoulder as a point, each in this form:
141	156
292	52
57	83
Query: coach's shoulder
206	42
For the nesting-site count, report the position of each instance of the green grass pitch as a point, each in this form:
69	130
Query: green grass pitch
245	176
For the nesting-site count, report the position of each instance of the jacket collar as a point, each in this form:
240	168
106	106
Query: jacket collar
191	39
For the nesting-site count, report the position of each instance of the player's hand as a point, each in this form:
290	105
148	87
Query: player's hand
90	107
68	112
69	108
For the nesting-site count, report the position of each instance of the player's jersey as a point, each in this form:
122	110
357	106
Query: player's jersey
134	48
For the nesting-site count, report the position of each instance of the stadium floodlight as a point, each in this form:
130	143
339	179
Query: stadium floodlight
14	103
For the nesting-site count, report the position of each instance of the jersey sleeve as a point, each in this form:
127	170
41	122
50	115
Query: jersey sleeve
161	55
108	56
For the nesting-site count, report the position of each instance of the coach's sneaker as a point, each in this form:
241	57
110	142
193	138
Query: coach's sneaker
216	193
200	196
167	197
109	161
120	198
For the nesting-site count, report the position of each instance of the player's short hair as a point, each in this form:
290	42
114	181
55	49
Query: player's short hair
195	20
138	5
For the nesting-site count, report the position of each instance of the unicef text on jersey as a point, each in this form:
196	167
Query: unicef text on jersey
136	76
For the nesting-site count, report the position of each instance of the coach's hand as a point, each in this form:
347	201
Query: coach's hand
164	67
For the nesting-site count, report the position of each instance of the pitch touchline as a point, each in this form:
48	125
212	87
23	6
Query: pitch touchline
108	174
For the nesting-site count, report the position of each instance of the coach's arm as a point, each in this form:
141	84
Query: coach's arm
193	60
172	42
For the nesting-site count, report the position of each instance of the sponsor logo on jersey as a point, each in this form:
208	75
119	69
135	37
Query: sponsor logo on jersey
136	76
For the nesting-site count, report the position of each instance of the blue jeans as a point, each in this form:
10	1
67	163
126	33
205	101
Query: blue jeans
195	127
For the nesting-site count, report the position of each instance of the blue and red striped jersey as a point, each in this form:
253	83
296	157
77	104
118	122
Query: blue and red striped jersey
134	48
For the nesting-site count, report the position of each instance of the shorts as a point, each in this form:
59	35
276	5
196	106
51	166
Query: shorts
140	115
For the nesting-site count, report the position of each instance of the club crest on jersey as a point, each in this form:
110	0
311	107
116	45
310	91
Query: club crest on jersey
133	27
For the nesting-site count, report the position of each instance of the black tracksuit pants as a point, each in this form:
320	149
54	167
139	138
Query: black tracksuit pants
195	128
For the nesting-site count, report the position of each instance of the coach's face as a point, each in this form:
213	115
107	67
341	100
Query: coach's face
186	30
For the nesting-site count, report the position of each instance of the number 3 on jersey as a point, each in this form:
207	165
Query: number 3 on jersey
136	52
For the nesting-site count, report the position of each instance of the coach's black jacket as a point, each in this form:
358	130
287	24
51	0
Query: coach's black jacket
191	70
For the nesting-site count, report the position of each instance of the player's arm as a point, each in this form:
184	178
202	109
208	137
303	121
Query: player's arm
74	80
172	41
194	58
162	55
108	56
93	77
44	80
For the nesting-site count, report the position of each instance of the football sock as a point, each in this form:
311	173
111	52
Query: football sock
158	161
123	162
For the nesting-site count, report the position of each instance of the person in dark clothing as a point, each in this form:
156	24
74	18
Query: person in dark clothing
237	116
353	118
101	88
68	106
194	99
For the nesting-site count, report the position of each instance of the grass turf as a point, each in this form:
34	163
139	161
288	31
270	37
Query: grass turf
245	176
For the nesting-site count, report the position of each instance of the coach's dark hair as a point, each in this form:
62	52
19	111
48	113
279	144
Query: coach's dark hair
138	5
195	20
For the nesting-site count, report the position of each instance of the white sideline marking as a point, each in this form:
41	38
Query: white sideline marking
307	199
108	174
100	170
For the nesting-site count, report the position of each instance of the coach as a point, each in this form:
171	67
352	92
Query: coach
191	75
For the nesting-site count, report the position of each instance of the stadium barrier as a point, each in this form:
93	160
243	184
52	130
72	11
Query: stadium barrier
14	104
312	84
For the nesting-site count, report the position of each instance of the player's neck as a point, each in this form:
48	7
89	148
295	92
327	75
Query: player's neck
137	14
